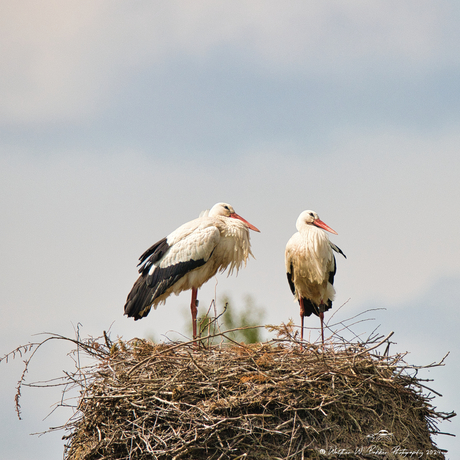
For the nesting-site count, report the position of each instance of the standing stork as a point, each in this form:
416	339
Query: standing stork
188	257
311	266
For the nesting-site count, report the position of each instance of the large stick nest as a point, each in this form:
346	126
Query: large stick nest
268	400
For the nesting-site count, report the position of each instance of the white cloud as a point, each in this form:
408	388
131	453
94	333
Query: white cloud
44	71
61	60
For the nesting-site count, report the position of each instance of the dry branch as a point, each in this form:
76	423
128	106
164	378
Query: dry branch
141	400
269	400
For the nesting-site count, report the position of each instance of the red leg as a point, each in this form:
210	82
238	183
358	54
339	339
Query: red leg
321	317
302	316
194	310
301	327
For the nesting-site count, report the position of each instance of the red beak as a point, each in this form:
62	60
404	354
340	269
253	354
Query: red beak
321	224
236	216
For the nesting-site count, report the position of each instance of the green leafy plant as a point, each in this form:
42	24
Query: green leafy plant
241	324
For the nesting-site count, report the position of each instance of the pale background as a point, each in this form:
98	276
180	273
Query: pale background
122	120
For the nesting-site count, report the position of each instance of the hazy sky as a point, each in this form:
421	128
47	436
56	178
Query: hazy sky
119	121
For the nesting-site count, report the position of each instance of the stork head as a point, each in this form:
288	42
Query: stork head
225	210
311	218
221	209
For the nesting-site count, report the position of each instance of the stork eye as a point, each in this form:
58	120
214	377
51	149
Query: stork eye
311	214
227	208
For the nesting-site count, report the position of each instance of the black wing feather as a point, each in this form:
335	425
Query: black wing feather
289	277
153	254
333	272
337	249
310	307
138	302
163	278
149	287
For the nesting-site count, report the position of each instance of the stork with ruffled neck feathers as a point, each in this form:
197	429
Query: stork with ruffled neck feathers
311	267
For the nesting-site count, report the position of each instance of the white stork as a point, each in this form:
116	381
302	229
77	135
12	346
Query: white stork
311	266
188	257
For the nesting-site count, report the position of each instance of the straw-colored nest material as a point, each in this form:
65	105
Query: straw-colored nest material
268	400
